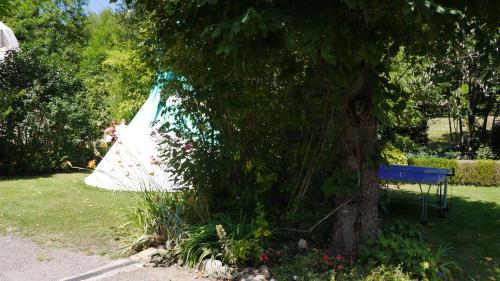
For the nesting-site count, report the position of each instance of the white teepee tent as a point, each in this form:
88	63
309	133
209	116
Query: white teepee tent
8	40
132	162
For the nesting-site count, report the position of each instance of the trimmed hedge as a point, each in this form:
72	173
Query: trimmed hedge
467	172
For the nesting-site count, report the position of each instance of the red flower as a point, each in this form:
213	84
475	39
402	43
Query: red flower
263	257
325	257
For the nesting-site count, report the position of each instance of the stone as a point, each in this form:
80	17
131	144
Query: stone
264	271
303	244
214	267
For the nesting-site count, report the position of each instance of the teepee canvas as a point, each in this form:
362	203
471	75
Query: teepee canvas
8	40
132	162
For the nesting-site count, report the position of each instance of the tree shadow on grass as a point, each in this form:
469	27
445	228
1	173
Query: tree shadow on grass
34	176
472	229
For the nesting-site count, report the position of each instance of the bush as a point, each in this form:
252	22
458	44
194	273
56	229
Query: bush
434	162
478	172
485	152
310	266
406	144
467	172
303	266
391	155
236	247
402	244
44	118
238	251
387	273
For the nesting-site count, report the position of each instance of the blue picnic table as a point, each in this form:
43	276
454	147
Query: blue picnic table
421	175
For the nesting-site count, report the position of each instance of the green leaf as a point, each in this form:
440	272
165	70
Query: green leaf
440	9
217	31
464	89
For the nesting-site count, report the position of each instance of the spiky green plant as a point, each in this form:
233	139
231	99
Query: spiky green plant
157	217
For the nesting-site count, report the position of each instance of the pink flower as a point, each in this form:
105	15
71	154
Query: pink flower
188	146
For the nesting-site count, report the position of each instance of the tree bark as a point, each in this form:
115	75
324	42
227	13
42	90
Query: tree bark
358	220
461	134
451	129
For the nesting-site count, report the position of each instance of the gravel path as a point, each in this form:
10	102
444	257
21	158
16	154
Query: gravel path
22	259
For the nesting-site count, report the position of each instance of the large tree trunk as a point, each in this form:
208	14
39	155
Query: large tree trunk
358	219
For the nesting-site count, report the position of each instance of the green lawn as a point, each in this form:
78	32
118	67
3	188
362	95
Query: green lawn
472	227
61	210
439	128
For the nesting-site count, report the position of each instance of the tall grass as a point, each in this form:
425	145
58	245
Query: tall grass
158	218
200	244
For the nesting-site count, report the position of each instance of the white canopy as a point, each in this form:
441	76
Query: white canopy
8	40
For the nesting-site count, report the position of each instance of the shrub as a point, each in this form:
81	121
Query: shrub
309	266
392	155
211	241
304	266
387	273
479	172
434	162
45	120
235	242
485	152
402	244
406	144
238	251
467	172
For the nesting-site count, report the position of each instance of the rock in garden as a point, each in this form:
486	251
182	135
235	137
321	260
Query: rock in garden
264	271
214	267
303	244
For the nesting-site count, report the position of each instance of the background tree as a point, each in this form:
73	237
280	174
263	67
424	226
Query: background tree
406	124
51	27
5	7
469	69
117	79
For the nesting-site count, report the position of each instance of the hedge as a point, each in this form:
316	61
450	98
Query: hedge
467	172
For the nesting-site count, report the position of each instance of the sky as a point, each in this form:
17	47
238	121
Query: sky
97	6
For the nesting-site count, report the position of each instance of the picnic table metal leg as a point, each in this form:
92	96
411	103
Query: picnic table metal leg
444	200
439	194
424	195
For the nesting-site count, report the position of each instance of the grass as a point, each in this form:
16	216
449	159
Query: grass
60	210
472	227
439	133
439	128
